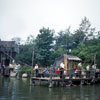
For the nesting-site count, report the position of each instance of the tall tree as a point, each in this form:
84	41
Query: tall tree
26	51
44	44
84	32
64	40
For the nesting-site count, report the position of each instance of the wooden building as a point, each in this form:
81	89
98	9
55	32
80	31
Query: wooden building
8	50
69	61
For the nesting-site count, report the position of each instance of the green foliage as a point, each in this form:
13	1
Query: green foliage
88	51
78	37
25	54
59	52
64	40
44	45
56	53
26	69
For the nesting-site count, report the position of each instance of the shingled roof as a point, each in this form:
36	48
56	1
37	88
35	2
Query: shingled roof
73	58
69	57
8	44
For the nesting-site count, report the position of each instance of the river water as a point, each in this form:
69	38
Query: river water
20	89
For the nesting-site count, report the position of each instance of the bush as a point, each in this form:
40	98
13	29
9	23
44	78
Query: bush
26	69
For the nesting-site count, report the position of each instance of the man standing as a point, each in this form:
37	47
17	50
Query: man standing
62	69
94	69
36	70
88	71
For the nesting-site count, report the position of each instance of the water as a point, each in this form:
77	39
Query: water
20	89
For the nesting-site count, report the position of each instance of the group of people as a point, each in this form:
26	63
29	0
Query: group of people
85	72
76	71
93	69
14	67
60	70
38	74
10	67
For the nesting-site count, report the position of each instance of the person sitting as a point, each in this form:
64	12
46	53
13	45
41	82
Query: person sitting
45	73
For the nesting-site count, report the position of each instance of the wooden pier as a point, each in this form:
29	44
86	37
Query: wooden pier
57	81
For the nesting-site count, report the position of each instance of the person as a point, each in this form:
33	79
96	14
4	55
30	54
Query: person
94	66
88	67
94	69
76	73
36	70
17	67
11	67
62	69
80	64
79	68
45	73
58	71
88	71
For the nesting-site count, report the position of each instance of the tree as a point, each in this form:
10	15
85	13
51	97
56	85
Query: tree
84	32
26	51
64	40
88	51
30	40
44	45
78	37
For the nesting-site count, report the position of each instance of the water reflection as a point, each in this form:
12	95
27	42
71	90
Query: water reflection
20	89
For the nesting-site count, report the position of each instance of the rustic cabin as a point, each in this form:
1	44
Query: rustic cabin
69	61
8	51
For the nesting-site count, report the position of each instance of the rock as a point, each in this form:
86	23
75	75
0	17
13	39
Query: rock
13	74
24	75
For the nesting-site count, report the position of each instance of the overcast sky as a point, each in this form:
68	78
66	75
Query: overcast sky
20	18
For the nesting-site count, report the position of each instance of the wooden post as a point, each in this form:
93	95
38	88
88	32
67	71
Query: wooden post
50	82
66	62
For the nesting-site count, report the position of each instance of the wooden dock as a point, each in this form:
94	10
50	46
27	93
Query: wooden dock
57	81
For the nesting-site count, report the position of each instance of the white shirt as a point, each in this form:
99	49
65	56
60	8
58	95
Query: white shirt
79	65
36	67
87	67
94	67
61	65
17	67
10	65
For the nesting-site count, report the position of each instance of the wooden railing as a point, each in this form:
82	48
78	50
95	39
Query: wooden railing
70	73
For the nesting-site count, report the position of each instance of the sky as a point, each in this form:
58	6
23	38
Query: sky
21	18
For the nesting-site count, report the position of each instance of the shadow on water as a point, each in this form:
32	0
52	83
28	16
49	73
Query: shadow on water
20	89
